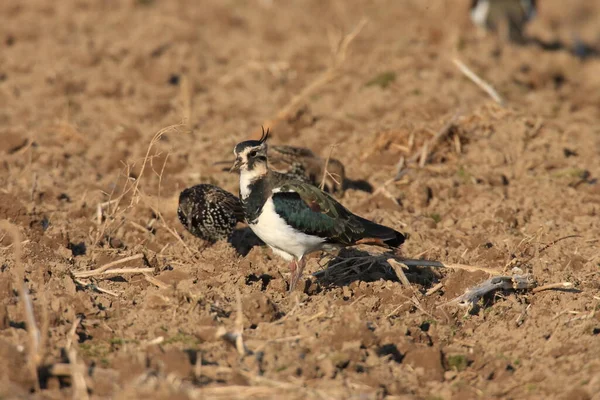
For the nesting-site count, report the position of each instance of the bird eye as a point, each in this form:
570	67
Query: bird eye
252	154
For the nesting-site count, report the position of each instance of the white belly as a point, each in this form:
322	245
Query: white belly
283	239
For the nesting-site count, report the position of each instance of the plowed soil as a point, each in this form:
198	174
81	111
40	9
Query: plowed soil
109	109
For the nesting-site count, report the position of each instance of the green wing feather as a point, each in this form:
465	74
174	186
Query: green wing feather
308	209
314	212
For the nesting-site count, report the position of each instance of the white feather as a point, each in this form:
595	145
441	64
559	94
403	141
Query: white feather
286	241
246	179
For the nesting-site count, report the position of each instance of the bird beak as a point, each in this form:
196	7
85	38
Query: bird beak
222	162
236	165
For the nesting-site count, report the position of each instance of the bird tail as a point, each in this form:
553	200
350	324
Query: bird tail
379	234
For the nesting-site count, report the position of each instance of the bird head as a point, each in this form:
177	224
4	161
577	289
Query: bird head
251	155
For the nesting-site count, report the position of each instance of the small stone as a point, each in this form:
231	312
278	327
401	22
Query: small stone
450	375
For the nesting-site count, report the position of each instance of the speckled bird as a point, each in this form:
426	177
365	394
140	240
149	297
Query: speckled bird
209	212
507	16
296	218
302	164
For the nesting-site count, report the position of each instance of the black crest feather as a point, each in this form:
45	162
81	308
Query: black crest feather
265	135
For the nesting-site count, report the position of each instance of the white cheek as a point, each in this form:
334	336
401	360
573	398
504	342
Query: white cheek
246	179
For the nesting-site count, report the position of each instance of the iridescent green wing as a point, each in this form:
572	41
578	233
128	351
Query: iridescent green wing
309	210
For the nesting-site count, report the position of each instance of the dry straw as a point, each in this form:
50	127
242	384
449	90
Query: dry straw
36	341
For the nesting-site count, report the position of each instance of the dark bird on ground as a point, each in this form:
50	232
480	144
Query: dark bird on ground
505	17
302	164
209	212
296	218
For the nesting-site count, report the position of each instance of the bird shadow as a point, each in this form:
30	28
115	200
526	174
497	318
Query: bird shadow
351	265
579	48
357	184
243	240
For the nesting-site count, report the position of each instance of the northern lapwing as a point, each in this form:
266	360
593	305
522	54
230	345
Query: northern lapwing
300	163
209	212
507	17
296	218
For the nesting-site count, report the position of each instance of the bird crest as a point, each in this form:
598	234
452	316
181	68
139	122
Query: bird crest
265	135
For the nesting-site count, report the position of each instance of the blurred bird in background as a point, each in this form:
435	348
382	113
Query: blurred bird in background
507	18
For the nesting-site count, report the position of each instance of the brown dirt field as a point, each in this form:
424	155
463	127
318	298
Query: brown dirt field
85	86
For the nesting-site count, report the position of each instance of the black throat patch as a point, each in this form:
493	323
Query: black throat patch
256	161
260	191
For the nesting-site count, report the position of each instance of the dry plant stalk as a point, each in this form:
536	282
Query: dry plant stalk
98	271
432	143
96	288
35	349
133	188
100	209
156	208
237	392
155	341
290	313
116	211
383	187
156	282
186	101
162	171
457	144
521	318
434	289
80	390
328	75
141	270
528	242
486	87
439	264
422	156
71	333
552	286
398	269
325	171
168	228
278	340
239	324
155	139
236	337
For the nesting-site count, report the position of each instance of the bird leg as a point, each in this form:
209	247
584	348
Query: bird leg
293	267
296	268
